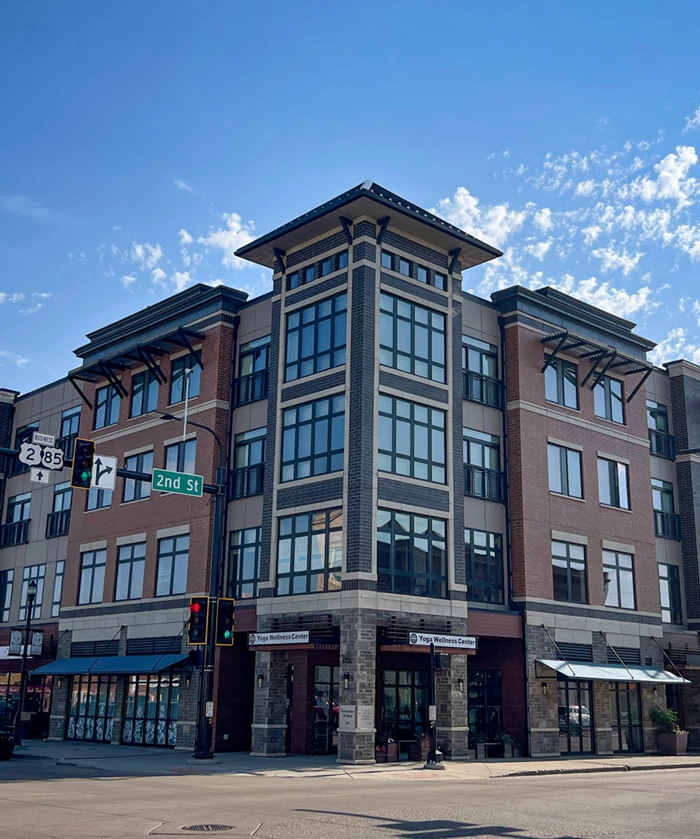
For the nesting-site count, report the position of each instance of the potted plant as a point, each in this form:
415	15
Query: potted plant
480	741
672	741
380	753
507	743
419	749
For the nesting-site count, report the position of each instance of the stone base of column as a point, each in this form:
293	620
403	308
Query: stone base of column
454	742
356	747
268	740
544	743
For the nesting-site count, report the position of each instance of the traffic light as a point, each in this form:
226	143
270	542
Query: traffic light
225	611
83	455
198	629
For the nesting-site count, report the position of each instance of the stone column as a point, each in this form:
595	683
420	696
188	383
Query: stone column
452	718
187	712
649	699
358	651
60	691
690	702
602	718
543	722
117	719
270	705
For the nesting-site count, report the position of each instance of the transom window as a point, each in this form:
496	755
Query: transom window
670	590
613	483
173	555
6	579
144	393
178	375
70	421
313	439
310	552
479	357
92	576
411	440
107	402
411	554
411	338
131	562
569	572
244	565
657	416
618	579
316	337
484	563
180	457
18	507
38	574
561	383
135	489
564	471
408	268
335	262
608	398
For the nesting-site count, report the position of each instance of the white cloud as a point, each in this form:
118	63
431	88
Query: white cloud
543	219
82	256
183	186
617	301
185	256
116	227
672	182
229	239
11	298
611	260
539	250
44	295
22	205
590	234
32	310
693	121
586	187
18	360
127	281
674	346
145	255
158	275
492	224
181	279
185	238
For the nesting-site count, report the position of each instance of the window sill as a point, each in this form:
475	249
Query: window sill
190	400
614	423
613	507
624	609
569	497
98	509
134	501
565	407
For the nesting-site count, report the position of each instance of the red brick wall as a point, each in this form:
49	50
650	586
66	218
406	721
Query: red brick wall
507	656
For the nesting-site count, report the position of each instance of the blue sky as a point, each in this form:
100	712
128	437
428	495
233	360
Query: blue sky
142	143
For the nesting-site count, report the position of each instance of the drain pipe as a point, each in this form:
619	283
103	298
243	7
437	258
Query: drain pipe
229	447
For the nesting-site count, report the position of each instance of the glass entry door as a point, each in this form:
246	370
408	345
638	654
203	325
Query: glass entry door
150	710
325	710
575	717
91	709
405	699
626	713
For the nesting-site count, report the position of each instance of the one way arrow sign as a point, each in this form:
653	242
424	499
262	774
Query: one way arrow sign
104	472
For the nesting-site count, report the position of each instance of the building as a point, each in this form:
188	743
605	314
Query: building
404	461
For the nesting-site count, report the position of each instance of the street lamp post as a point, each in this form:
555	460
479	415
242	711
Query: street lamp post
31	597
204	751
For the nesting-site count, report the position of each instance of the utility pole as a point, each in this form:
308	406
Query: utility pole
435	755
31	596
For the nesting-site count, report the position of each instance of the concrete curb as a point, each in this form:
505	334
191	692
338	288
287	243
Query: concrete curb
587	770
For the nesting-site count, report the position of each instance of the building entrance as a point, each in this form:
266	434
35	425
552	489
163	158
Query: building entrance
325	710
575	717
626	713
404	704
151	710
91	710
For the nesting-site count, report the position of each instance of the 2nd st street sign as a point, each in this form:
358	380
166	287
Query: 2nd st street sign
178	482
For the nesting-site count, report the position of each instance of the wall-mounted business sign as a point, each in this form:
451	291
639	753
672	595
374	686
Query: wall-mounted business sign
269	639
425	639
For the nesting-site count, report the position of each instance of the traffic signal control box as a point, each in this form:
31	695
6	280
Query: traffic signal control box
225	612
81	471
198	629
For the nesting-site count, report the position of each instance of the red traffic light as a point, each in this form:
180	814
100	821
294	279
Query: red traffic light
195	607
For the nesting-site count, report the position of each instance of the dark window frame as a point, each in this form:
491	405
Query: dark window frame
22	435
672	613
558	373
143	386
433	462
102	497
106	398
396	570
615	483
488	587
57	590
244	586
614	571
330	264
171	556
23	502
90	563
563	455
253	371
186	450
330	412
331	311
177	377
399	315
293	530
568	564
249	462
7	579
608	387
127	559
134	488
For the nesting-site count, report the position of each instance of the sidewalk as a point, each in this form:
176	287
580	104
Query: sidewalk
131	760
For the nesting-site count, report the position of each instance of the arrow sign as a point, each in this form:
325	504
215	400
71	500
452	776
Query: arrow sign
39	476
104	472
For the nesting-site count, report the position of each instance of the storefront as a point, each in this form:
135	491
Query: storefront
37	701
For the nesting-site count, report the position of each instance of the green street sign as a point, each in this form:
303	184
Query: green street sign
178	482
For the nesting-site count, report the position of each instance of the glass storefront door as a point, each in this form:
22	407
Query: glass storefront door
91	709
325	710
485	705
626	713
405	699
575	717
150	710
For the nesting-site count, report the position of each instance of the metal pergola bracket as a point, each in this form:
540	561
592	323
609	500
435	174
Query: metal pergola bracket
383	224
640	384
347	228
80	392
601	373
280	255
454	256
549	361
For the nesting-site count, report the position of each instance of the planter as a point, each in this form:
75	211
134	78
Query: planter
508	750
392	753
380	757
419	751
673	744
481	751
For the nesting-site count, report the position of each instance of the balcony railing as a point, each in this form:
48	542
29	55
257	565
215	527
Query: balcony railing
247	481
667	525
483	389
484	483
16	533
251	388
57	524
662	444
15	467
67	444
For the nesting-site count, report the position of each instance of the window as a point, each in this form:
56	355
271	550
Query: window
144	393
439	280
180	457
70	422
561	383
135	489
670	588
422	274
411	338
244	565
18	508
481	458
565	471
249	463
661	441
316	337
173	555
327	266
480	372
387	260
107	402
569	572
613	483
618	578
98	498
58	520
392	262
178	375
313	438
411	440
608	400
6	580
342	260
657	416
310	552
411	554
38	574
309	274
404	267
667	522
57	588
22	435
484	563
253	362
62	496
92	576
131	561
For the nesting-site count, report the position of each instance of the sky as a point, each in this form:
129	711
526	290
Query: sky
142	143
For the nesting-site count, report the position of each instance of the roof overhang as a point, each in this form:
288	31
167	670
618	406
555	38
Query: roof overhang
369	199
111	665
590	672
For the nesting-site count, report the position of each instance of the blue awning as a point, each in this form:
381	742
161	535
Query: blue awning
110	665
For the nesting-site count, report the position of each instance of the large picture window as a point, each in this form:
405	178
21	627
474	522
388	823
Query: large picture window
411	338
411	554
316	337
608	399
131	562
313	438
310	552
107	402
613	483
560	383
569	572
411	440
244	565
92	576
565	471
618	578
483	553
173	555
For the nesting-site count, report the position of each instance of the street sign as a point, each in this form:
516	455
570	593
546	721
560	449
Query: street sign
43	439
209	710
425	639
266	639
432	713
178	482
36	455
104	472
39	475
30	454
